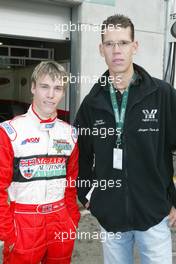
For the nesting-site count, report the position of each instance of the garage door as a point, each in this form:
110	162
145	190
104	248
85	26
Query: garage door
33	19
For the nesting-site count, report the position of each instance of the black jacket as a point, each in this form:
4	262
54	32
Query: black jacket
147	191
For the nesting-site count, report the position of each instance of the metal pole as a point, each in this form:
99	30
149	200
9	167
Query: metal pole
170	6
166	43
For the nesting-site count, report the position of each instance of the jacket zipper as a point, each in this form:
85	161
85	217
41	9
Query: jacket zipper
126	187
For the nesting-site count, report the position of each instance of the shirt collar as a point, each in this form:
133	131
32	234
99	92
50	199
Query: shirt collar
105	82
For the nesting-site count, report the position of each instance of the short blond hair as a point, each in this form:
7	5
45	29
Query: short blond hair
51	68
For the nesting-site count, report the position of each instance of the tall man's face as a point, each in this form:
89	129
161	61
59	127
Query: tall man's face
47	93
118	49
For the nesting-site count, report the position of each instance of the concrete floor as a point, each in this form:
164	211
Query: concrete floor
88	248
90	251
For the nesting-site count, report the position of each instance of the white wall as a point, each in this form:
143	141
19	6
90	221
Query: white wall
26	18
92	64
148	18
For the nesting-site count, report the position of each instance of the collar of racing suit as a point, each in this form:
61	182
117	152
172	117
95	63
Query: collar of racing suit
43	124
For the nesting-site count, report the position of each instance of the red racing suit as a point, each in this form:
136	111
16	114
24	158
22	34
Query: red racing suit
38	171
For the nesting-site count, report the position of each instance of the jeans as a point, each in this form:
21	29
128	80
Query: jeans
154	245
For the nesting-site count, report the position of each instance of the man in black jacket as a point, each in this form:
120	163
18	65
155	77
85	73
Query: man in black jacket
127	132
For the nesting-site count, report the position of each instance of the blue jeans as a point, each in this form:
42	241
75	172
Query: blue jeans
154	245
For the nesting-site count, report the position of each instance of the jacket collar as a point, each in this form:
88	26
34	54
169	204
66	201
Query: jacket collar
143	86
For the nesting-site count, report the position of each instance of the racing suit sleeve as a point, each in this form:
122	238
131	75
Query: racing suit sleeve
7	230
86	153
70	190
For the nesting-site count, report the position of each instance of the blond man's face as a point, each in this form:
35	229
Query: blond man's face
47	94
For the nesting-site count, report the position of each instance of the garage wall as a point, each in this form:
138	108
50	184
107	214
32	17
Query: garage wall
25	18
148	17
7	89
22	18
23	84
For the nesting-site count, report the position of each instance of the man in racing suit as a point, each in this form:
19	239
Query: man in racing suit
38	166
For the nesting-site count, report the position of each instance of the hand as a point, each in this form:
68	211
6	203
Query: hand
7	250
87	205
11	247
172	217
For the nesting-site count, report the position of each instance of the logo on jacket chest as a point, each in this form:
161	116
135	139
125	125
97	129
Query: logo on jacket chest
149	115
61	145
99	122
30	140
38	167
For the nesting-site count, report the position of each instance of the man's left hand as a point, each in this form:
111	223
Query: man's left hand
172	217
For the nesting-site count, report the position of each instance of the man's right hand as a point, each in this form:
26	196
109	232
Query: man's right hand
87	205
7	249
11	247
